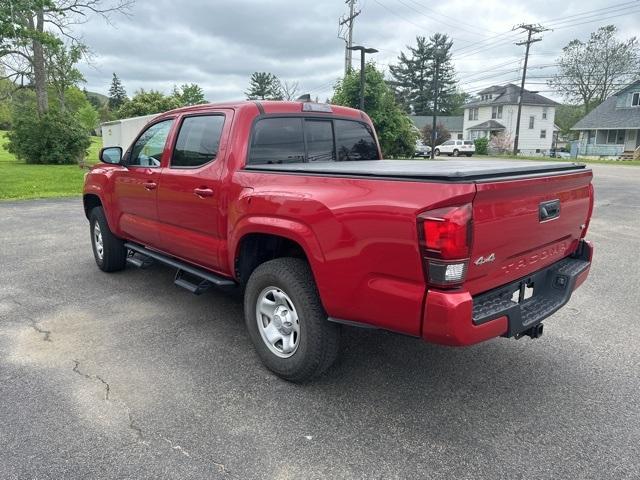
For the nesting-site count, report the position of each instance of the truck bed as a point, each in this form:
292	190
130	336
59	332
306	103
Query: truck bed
438	170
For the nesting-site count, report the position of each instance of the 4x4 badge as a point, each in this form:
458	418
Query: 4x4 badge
487	259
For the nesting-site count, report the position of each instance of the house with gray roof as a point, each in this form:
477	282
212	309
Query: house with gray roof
613	127
452	123
494	112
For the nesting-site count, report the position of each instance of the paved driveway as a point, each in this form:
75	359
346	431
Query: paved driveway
128	376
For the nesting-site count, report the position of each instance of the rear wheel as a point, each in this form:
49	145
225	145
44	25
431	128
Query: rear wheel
469	154
108	250
286	322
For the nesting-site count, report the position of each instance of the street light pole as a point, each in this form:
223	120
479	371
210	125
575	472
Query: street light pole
363	51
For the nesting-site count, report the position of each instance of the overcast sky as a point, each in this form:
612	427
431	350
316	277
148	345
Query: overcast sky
218	44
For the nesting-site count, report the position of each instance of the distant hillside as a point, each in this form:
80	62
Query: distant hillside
100	97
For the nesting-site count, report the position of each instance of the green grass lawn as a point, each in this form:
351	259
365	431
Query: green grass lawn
19	180
579	160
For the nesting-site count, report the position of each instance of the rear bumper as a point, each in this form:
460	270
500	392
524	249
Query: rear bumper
457	318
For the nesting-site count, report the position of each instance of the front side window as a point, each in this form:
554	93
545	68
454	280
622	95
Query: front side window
532	121
148	149
197	141
277	140
354	141
448	142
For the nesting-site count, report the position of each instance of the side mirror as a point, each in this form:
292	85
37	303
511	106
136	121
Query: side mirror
111	155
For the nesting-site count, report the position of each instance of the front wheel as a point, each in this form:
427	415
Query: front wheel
437	152
286	321
108	250
456	153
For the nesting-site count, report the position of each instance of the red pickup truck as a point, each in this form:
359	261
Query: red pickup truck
292	203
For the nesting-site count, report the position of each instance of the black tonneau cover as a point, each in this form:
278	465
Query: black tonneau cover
438	170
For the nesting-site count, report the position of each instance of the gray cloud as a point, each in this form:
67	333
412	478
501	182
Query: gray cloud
217	44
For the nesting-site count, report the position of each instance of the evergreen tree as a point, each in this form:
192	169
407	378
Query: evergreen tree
117	93
264	86
413	77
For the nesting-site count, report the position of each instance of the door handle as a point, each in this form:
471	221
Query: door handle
203	192
150	185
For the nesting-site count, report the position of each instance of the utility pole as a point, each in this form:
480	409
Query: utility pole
437	54
347	22
530	29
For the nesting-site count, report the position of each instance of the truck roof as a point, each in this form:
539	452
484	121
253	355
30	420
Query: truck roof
270	107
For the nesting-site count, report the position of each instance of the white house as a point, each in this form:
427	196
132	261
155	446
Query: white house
495	111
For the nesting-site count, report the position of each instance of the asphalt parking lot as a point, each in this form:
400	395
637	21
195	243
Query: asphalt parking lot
127	376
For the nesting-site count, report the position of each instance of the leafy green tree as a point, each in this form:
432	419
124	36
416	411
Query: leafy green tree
117	93
413	77
189	94
147	103
264	86
62	73
396	133
26	32
89	118
567	116
589	72
53	137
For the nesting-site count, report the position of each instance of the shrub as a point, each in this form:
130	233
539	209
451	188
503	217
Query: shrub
52	138
482	145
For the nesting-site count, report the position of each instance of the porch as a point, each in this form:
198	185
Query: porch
609	143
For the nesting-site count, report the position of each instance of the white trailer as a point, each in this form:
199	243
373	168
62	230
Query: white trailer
121	133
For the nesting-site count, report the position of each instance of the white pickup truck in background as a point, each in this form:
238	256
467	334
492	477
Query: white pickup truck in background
456	148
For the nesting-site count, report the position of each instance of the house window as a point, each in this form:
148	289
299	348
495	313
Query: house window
544	113
543	134
496	112
459	136
532	121
635	99
615	137
473	114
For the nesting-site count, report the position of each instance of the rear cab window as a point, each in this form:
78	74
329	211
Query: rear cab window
310	139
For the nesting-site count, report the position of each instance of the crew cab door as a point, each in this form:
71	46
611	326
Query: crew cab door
191	208
136	188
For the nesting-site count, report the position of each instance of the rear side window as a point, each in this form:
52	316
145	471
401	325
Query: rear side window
354	141
319	137
468	142
198	141
277	140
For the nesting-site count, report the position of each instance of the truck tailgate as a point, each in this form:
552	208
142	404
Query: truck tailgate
521	226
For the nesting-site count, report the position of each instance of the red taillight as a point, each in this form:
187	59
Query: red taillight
586	223
445	243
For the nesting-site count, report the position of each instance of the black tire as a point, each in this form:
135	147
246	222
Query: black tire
114	253
456	152
437	152
318	342
469	154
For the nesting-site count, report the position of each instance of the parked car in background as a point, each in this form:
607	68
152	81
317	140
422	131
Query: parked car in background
559	153
292	204
422	150
456	148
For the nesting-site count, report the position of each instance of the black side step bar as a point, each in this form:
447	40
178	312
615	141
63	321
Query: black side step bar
194	279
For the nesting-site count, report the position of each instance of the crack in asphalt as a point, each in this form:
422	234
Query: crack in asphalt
107	387
34	324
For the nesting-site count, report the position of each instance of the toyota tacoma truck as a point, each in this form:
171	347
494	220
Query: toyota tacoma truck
292	204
